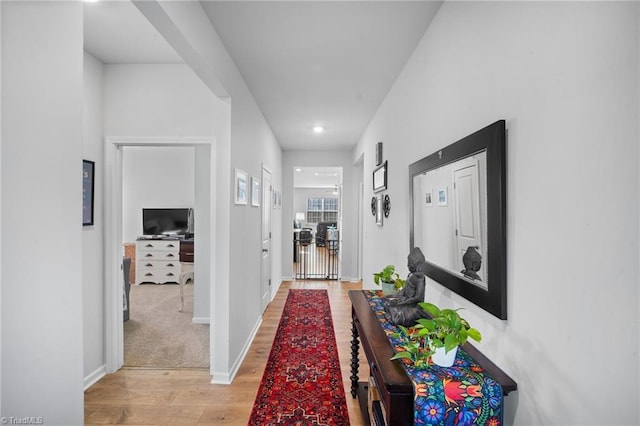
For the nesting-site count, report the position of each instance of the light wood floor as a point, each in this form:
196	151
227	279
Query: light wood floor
186	397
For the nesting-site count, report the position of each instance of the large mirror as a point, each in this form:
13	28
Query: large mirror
458	212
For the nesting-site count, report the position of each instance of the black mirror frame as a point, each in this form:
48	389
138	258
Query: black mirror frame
492	139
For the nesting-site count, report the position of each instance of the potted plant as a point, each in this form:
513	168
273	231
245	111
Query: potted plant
389	279
417	349
437	337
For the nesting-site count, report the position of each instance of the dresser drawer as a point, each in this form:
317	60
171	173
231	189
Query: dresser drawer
157	255
157	271
146	265
157	276
158	245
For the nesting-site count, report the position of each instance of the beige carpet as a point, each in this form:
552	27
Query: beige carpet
157	335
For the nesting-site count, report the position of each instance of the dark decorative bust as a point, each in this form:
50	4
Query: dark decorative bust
472	261
402	307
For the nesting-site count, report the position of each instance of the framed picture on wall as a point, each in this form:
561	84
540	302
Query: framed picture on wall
88	186
240	186
380	178
379	210
442	196
255	192
378	153
427	199
277	200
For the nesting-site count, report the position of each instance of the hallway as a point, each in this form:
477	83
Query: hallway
186	396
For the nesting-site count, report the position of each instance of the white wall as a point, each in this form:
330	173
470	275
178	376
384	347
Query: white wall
42	288
164	100
564	75
154	177
167	101
349	204
0	207
93	236
251	144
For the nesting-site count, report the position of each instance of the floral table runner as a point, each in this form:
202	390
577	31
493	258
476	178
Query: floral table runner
459	395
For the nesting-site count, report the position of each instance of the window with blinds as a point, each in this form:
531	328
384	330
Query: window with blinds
322	210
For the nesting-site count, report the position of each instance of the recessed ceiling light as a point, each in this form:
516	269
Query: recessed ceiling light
298	169
318	129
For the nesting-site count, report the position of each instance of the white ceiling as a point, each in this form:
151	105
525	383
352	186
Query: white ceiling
307	63
116	32
328	63
317	177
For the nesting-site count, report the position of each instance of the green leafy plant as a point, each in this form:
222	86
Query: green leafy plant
417	349
389	275
445	328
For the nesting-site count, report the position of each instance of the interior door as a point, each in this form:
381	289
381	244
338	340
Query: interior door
467	212
265	287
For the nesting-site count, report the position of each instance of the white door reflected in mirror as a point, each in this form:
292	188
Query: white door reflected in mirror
450	217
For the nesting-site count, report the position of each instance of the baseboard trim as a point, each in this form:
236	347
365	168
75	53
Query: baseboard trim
96	375
274	290
201	320
227	378
220	378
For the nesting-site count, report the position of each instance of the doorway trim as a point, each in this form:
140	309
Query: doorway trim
114	334
266	243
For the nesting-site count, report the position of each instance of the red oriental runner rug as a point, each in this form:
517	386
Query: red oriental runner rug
302	382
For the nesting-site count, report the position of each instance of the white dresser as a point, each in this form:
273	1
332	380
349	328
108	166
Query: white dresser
157	261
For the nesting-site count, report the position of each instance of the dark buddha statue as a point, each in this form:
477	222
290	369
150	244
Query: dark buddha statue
402	307
472	261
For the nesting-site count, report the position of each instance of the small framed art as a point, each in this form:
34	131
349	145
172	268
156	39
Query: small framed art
255	192
240	186
427	199
379	210
380	178
88	186
378	153
442	196
277	199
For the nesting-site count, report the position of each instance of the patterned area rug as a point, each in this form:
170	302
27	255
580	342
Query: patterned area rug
302	383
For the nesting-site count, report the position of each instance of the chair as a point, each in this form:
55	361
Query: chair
186	268
126	303
321	234
305	237
333	240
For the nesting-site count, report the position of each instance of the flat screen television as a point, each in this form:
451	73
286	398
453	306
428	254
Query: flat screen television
178	221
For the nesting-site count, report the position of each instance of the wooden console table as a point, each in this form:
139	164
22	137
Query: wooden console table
393	385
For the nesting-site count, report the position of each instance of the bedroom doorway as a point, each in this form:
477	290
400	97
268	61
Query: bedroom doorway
158	195
204	204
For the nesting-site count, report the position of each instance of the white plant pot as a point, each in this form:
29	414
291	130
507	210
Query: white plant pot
444	359
388	288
